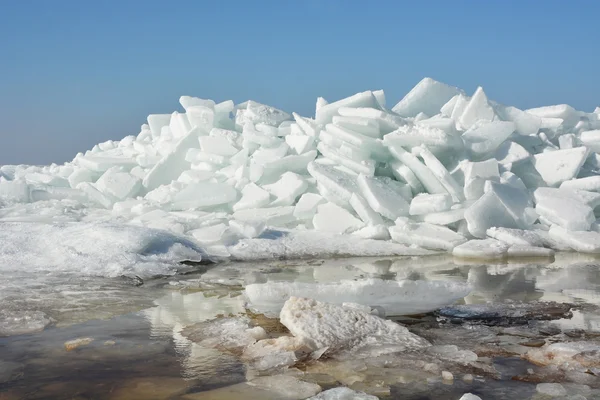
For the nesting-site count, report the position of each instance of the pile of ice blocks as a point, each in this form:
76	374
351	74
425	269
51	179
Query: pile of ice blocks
440	170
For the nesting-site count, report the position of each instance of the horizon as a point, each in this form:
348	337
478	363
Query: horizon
76	74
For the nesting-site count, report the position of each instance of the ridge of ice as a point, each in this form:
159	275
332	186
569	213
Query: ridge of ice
341	183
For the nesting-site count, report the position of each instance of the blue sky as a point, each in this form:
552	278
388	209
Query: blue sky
75	73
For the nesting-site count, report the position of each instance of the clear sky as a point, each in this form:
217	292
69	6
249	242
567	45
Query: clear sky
75	73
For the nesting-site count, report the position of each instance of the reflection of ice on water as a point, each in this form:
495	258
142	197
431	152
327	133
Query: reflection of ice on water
563	280
177	310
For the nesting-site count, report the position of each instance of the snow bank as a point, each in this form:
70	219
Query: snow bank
93	249
436	170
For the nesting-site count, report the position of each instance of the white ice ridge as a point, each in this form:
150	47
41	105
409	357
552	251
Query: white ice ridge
405	297
438	169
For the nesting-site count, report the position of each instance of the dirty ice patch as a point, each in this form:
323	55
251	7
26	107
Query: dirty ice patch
92	249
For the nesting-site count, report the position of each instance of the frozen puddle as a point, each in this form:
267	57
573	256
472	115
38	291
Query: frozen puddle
495	331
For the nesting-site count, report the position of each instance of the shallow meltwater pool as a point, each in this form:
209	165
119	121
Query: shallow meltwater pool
526	330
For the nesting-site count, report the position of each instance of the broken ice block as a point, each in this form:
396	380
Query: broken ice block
427	96
566	212
430	203
384	196
426	235
203	194
562	165
333	218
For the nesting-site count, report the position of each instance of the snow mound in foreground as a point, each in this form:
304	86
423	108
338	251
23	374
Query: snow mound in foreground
93	249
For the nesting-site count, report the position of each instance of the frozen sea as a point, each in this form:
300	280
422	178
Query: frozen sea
84	337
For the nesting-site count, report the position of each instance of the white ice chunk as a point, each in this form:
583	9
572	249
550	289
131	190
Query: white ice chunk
120	185
286	189
219	145
275	216
584	242
366	167
324	115
100	163
477	109
170	167
487	249
517	237
336	328
403	173
248	229
343	393
558	166
376	232
179	125
291	163
447	108
14	191
157	121
388	122
257	113
341	184
427	96
306	207
308	126
525	123
364	210
335	219
476	174
485	138
364	126
561	111
103	199
469	396
442	174
566	212
438	140
592	199
501	206
510	152
568	141
445	217
213	234
590	183
525	251
430	203
424	174
300	144
426	235
384	196
201	116
203	194
253	196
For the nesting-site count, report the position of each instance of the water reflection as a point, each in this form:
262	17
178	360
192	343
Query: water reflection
170	304
569	278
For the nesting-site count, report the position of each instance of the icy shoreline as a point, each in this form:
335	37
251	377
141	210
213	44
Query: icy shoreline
439	171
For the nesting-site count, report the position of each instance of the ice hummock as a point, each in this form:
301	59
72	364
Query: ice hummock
439	168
